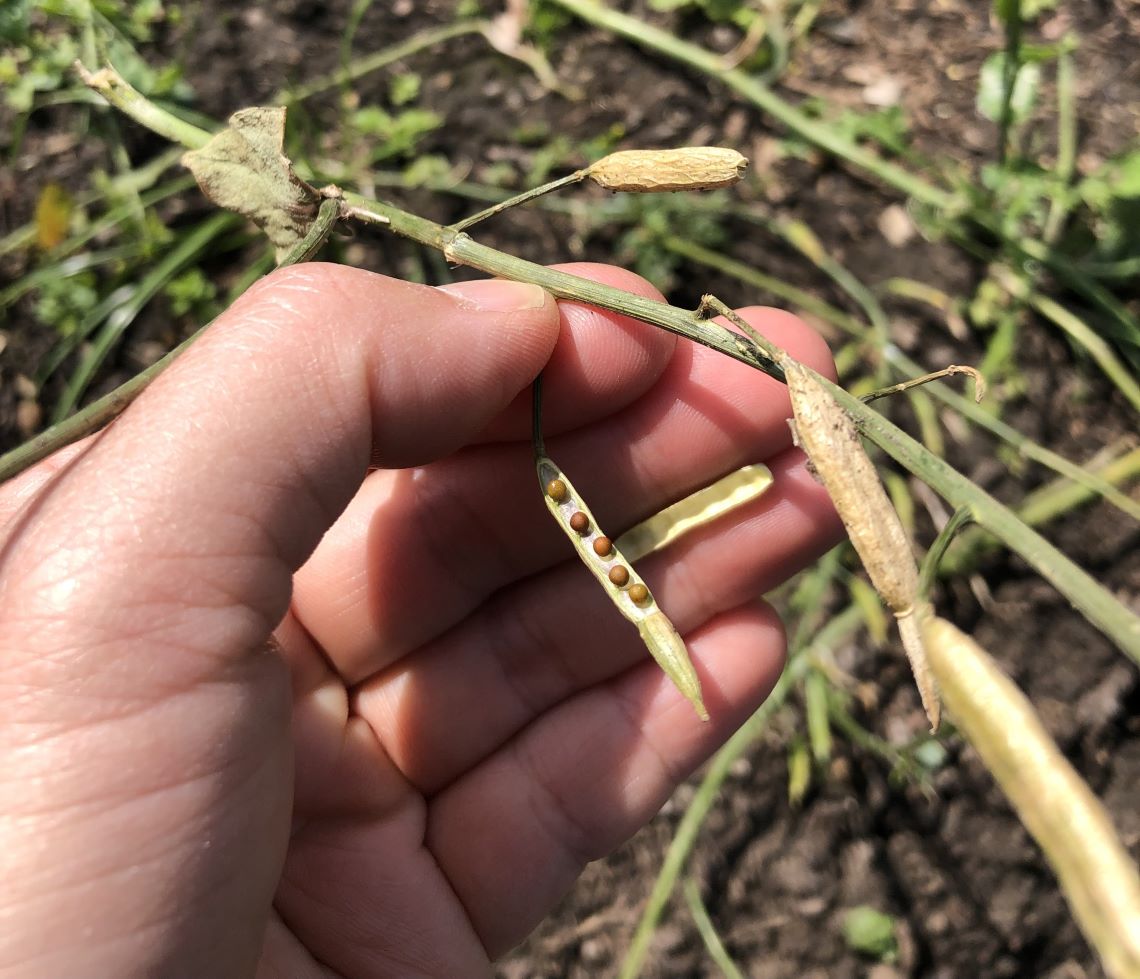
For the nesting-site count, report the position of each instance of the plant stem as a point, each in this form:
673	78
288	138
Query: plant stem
115	89
1095	602
527	195
1024	445
1011	68
1039	507
1066	146
713	943
460	248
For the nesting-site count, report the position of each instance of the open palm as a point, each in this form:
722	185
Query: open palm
470	721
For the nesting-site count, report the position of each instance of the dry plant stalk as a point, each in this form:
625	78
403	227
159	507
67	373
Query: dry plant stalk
829	437
1097	875
652	171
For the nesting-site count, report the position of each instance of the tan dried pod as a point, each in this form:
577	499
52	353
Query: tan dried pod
829	437
688	168
696	510
1097	875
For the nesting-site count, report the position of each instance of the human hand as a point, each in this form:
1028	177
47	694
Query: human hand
449	720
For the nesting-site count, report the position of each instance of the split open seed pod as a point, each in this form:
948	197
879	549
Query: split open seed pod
621	582
696	510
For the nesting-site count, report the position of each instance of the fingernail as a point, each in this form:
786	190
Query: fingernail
498	295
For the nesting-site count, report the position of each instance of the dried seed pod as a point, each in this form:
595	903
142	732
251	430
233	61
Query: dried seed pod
1097	875
688	168
614	572
705	505
829	437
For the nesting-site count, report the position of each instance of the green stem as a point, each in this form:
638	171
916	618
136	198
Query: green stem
1040	507
1011	68
932	561
527	195
966	407
1066	146
707	930
1096	603
460	248
115	89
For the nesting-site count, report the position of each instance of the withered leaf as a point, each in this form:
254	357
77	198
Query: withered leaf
243	169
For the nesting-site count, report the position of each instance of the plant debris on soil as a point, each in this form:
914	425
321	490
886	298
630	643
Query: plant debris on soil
967	888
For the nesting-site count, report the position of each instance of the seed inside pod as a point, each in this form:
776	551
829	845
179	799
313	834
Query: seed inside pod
619	575
639	593
603	546
556	490
579	523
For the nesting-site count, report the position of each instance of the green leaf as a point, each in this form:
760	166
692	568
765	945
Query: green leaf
242	169
991	89
818	725
799	771
870	932
14	20
887	127
1125	182
404	88
1034	8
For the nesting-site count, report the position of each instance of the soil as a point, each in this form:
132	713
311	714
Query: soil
971	893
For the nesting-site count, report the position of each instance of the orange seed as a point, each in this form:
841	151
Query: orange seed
619	576
603	546
639	593
580	523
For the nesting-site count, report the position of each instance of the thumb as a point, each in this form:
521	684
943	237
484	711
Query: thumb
257	437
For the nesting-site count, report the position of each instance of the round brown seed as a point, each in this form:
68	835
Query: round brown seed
603	546
639	593
556	490
619	576
579	523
